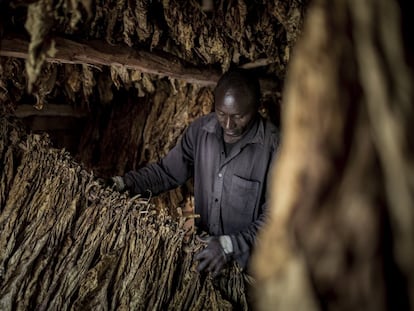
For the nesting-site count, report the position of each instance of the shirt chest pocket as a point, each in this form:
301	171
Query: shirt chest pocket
243	195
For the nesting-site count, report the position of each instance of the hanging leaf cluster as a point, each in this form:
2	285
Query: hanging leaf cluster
69	243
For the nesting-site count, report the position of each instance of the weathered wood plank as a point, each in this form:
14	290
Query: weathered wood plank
99	53
49	110
102	54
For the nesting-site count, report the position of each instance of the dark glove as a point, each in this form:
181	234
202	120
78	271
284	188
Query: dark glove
212	258
117	183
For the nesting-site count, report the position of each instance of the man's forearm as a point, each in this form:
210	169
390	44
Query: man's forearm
150	178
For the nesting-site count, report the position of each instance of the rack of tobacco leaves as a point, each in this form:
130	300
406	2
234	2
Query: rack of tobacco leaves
67	243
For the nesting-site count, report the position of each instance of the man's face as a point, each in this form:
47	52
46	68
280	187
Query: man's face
234	111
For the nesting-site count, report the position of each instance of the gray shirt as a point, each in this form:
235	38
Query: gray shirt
230	191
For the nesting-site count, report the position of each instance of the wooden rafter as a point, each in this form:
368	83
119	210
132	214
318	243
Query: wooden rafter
99	53
50	110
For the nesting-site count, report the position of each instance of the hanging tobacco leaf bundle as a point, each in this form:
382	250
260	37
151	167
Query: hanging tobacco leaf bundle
68	243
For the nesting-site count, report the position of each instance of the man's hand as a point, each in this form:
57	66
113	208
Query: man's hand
212	258
116	183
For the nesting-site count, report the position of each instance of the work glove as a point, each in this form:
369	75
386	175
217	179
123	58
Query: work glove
116	182
213	258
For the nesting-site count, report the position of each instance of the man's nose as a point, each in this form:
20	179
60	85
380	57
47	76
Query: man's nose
228	123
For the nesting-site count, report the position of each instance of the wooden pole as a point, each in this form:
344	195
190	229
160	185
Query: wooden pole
102	54
99	53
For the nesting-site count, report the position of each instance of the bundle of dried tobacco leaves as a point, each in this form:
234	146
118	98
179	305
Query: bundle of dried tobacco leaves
67	243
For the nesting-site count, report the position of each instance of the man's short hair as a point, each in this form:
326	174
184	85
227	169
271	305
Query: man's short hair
241	80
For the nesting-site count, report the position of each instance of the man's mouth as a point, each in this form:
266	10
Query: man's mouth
231	133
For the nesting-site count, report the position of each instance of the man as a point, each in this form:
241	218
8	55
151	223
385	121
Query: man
229	153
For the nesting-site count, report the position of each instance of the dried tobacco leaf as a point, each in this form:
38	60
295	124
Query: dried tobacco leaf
120	76
70	244
45	83
39	23
12	80
129	26
73	80
89	82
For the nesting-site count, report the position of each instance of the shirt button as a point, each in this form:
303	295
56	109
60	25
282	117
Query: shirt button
216	200
220	175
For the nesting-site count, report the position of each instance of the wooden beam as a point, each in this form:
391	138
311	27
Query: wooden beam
49	110
100	53
261	62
